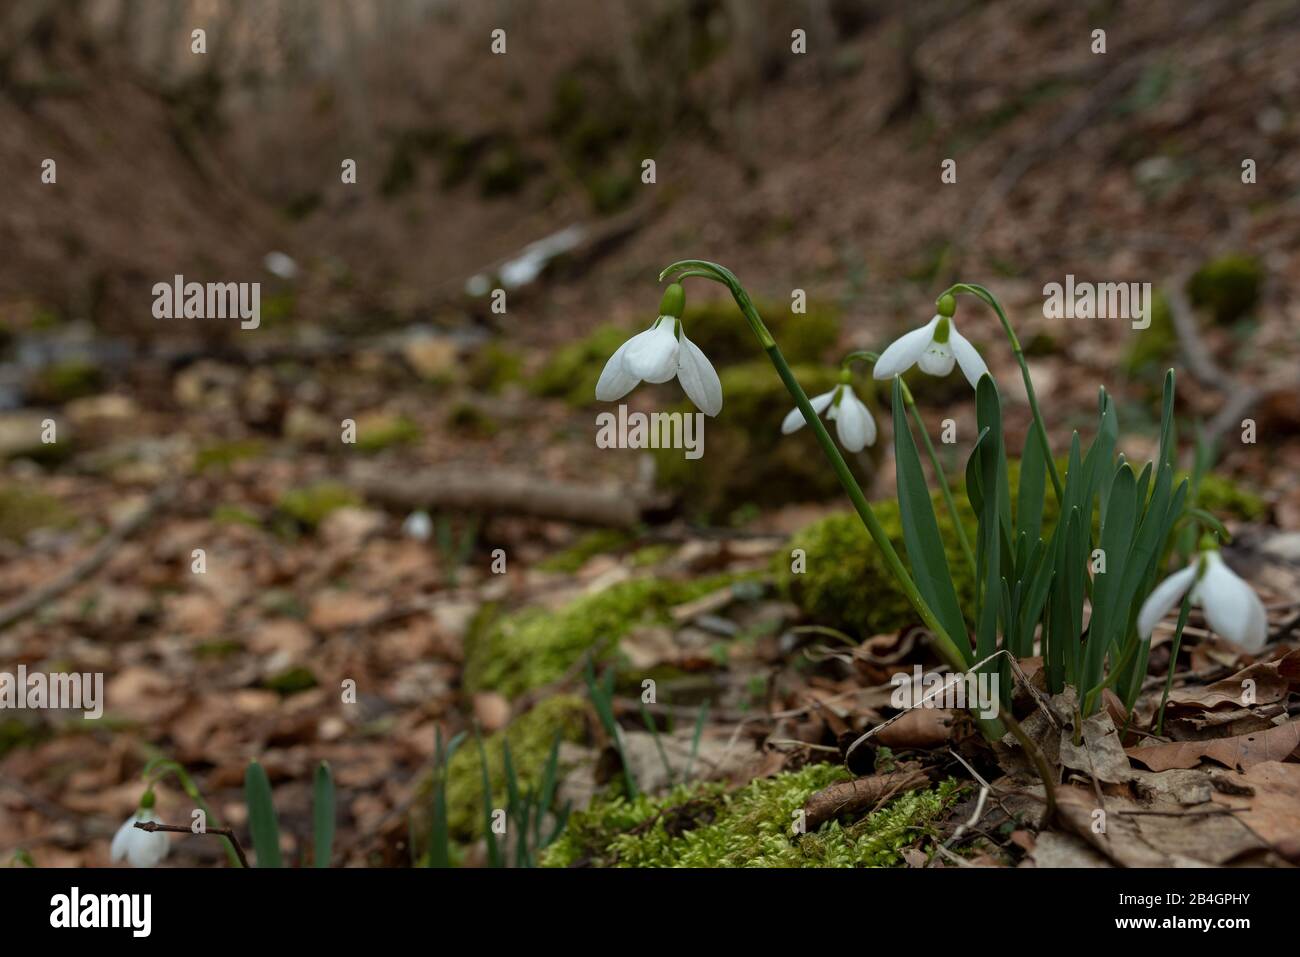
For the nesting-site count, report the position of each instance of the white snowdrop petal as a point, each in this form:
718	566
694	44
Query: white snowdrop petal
795	420
1229	605
1164	597
121	840
615	381
971	363
937	359
904	351
698	378
851	424
652	355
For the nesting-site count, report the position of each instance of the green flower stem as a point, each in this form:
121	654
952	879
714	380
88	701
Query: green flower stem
872	357
989	299
943	479
950	652
706	270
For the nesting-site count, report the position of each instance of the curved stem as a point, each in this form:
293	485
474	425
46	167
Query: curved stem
950	652
988	298
708	270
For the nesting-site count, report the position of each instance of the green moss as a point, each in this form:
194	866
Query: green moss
493	367
381	431
290	681
1223	497
532	647
234	515
530	736
585	548
703	826
650	555
747	461
309	506
67	380
218	648
467	419
1227	286
23	510
717	327
1152	348
15	733
847	584
572	370
222	455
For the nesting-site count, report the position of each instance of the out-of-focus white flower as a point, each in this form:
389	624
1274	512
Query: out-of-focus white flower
140	848
661	353
418	526
853	422
1230	605
280	264
936	347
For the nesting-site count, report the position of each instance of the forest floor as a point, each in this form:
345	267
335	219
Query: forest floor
319	568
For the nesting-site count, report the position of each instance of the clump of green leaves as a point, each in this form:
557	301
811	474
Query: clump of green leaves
1026	576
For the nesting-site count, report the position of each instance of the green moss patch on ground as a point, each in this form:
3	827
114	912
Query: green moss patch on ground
530	737
572	371
747	461
701	825
847	585
1228	287
310	506
532	647
23	510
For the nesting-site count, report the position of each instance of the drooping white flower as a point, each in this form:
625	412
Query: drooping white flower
659	354
853	422
935	347
1231	606
137	847
418	526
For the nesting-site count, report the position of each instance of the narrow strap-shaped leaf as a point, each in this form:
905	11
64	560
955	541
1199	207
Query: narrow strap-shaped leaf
493	846
925	551
1116	538
1033	485
1168	428
262	821
990	521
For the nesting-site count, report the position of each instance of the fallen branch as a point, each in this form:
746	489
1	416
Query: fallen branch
495	492
22	607
858	795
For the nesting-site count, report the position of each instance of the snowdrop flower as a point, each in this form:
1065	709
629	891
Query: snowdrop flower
659	354
418	526
935	347
140	848
853	422
1230	605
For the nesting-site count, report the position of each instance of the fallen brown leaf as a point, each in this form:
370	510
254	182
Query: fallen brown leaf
1241	752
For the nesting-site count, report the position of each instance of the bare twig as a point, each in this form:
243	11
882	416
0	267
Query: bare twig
227	832
848	797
